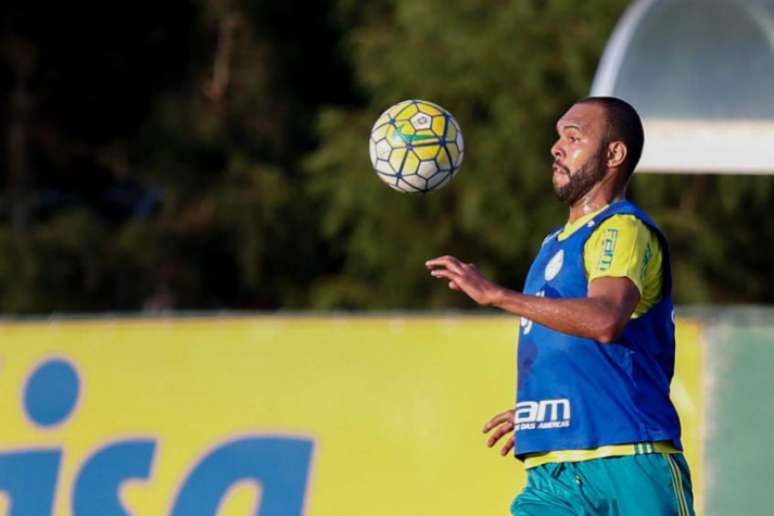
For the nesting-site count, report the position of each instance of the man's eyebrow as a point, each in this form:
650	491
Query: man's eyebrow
568	126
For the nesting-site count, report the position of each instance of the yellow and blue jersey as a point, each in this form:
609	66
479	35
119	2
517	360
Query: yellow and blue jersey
621	247
578	399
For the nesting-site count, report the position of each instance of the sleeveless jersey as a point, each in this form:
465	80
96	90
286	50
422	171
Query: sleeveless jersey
576	393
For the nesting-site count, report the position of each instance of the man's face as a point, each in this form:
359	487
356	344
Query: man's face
579	152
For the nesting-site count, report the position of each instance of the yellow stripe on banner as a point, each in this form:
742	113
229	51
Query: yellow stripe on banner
677	482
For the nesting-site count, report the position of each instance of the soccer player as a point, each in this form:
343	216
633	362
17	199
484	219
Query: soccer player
593	421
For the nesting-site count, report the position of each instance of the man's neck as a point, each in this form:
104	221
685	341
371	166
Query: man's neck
600	195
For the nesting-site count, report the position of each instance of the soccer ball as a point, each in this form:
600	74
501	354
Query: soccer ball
416	146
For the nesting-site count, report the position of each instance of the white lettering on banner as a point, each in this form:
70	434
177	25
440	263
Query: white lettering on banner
543	414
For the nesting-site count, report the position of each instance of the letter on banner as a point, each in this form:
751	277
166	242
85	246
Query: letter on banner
280	465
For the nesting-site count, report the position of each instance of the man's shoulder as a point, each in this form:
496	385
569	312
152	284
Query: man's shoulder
629	224
554	232
623	222
627	208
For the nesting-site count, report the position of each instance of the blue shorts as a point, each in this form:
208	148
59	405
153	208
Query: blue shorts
652	484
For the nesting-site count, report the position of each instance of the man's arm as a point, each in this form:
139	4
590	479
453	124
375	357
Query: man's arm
601	316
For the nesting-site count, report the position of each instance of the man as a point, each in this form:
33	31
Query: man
593	421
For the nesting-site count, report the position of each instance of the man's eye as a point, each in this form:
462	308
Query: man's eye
574	139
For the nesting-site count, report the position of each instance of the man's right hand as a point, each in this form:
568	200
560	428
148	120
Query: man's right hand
502	424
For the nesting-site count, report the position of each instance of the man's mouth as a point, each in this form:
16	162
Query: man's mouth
560	169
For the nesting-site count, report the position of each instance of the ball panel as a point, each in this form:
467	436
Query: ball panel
401	134
396	137
439	125
444	158
410	164
413	183
421	121
439	180
407	112
397	108
429	108
396	158
380	132
384	167
454	153
451	131
383	149
427	151
427	168
404	128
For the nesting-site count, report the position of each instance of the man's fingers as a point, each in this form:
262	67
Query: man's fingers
447	262
442	273
443	260
501	431
502	417
508	447
454	279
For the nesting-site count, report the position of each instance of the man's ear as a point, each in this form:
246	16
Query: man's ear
616	154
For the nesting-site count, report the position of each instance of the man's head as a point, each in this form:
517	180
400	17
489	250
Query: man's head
597	136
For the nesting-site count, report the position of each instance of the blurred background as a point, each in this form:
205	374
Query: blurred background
210	157
213	155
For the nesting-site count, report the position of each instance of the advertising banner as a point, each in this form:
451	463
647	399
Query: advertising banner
269	416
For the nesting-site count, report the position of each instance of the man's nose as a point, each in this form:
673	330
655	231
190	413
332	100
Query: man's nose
556	151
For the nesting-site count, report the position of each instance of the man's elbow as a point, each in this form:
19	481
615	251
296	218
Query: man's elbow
609	330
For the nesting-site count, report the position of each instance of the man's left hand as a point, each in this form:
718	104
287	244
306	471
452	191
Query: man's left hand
503	425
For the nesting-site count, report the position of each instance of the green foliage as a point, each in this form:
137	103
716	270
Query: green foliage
720	229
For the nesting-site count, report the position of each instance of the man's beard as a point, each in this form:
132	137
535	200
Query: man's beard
580	183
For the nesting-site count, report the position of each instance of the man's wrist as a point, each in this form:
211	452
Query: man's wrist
499	297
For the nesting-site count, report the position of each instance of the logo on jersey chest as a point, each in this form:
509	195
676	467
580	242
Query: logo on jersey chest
554	265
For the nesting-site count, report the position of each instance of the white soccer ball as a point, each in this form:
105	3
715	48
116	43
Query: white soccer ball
416	146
